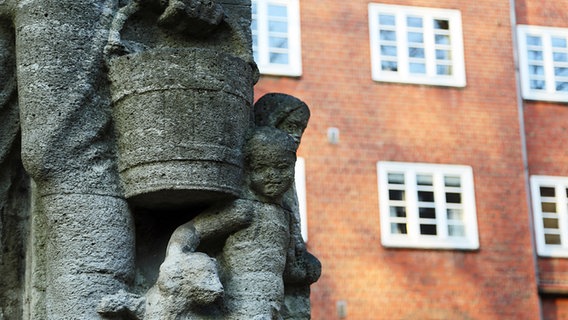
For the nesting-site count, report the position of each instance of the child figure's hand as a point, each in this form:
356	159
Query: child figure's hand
193	17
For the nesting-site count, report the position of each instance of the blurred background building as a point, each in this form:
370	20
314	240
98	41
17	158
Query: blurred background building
435	164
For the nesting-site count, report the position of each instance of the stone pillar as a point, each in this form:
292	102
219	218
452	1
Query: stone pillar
67	148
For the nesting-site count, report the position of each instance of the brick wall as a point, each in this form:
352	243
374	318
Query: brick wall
546	134
477	125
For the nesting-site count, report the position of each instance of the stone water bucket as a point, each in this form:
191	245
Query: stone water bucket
181	116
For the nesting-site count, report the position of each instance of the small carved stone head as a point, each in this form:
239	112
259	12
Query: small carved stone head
270	156
284	112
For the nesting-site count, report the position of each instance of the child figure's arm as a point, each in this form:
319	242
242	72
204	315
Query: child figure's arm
192	17
216	223
115	45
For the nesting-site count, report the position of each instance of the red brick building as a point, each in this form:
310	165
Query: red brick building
435	163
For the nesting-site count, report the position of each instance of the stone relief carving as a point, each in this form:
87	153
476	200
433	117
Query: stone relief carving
145	186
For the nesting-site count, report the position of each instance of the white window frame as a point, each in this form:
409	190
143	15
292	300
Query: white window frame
560	185
403	75
413	238
548	64
262	49
300	183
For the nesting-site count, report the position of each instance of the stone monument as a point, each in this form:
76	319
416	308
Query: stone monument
137	178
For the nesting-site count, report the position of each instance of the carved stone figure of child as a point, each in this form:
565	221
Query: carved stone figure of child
253	259
252	235
291	115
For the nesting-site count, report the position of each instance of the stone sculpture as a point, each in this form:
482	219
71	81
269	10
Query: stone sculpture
145	185
291	115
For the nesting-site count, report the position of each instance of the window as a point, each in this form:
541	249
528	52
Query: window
276	36
543	58
300	179
416	45
550	210
427	206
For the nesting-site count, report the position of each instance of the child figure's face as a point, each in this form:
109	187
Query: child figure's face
294	125
272	172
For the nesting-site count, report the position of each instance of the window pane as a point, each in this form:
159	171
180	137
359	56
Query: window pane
536	70
560	57
427	213
417	68
443	55
442	39
547	192
426	196
399	212
562	72
535	55
444	70
548	207
277	26
452	181
398	228
456	230
416	52
254	26
279	58
538	84
386	20
416	37
441	24
389	66
415	22
552	238
396	178
424	179
254	41
388	35
453	197
388	51
396	195
561	86
534	41
558	42
278	42
550	223
253	6
455	214
429	229
277	11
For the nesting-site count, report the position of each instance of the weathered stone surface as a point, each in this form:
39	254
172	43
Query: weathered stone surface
181	117
291	115
126	188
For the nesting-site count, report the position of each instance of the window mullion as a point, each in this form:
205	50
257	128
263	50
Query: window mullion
429	45
412	205
402	44
548	65
440	196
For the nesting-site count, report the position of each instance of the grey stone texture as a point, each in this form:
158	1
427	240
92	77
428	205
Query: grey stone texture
291	115
173	109
136	180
